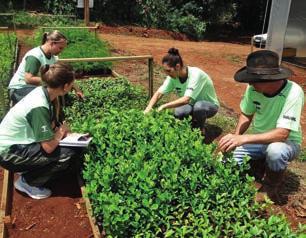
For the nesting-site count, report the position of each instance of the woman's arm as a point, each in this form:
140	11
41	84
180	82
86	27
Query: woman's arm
176	103
50	145
31	79
157	95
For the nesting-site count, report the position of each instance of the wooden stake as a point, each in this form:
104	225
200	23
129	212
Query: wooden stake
86	12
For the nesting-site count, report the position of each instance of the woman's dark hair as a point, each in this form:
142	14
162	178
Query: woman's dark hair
173	58
54	36
57	75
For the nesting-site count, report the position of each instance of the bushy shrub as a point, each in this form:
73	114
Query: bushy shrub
103	94
32	20
190	25
7	58
152	176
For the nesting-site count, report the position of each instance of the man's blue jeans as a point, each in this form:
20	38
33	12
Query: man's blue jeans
277	155
199	111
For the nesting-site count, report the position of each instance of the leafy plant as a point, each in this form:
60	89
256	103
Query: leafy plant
7	59
152	176
81	44
60	7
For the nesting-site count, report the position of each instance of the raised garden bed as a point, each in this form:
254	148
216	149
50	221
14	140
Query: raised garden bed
151	176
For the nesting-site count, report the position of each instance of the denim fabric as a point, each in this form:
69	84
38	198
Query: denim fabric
277	155
199	111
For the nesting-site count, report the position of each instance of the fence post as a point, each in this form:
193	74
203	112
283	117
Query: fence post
150	77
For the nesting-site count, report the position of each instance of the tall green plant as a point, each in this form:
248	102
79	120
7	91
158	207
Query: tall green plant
60	7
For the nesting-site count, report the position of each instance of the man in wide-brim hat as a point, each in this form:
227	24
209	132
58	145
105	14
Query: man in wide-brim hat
274	105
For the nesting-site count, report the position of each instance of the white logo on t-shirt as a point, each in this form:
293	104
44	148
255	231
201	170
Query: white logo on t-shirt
44	129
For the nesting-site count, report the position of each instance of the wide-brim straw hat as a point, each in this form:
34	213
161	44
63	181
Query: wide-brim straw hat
262	66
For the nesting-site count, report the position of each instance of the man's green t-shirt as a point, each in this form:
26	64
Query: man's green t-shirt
280	111
198	86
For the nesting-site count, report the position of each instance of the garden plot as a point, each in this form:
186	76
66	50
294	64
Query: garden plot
151	175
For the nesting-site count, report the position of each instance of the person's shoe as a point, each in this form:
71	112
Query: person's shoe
203	131
32	191
271	186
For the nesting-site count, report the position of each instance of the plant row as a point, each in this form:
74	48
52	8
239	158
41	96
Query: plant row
81	44
152	176
7	58
29	20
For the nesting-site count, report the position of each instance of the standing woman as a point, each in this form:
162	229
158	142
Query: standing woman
29	137
27	76
197	96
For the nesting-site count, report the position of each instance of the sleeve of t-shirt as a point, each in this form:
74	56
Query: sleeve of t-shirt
166	87
246	105
39	120
195	86
32	65
291	112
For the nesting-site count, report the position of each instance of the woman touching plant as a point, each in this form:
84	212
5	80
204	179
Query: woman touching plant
27	75
197	96
30	134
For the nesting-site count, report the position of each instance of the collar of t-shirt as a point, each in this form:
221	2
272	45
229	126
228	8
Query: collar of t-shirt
278	91
48	56
184	79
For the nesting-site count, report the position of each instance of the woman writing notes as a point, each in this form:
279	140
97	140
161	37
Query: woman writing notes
30	134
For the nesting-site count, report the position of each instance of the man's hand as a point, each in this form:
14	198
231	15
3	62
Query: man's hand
79	94
230	142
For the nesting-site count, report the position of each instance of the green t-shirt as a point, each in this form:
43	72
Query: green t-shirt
198	86
30	63
28	121
280	111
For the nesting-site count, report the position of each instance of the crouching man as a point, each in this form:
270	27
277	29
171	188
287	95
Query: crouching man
273	104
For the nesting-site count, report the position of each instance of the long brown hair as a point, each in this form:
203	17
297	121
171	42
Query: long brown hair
56	76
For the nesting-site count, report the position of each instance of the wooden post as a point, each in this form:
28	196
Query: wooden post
86	12
150	77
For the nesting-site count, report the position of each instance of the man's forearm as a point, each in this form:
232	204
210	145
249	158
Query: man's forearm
243	124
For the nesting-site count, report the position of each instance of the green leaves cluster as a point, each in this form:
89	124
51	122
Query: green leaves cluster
152	176
82	44
101	95
7	58
27	20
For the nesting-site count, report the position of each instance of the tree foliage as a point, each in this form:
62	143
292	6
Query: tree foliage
189	17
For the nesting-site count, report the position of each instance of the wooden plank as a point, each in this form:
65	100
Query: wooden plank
6	200
115	74
92	220
151	73
69	27
104	59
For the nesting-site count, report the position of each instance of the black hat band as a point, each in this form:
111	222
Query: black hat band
264	71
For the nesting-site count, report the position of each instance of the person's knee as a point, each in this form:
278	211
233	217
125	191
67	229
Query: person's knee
182	112
277	156
206	109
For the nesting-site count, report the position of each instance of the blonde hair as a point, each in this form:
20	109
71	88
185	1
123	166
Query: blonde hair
54	36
